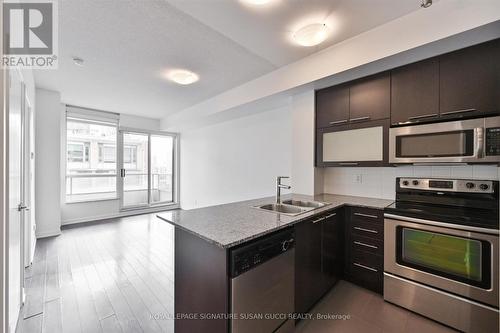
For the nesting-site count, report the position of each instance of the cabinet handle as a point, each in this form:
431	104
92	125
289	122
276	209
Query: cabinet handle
366	230
348	163
359	119
319	220
366	245
458	111
424	116
331	215
365	267
366	215
338	122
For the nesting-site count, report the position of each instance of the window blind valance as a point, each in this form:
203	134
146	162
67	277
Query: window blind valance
76	112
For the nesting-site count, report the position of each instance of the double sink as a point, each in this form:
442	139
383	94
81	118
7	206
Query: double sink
292	207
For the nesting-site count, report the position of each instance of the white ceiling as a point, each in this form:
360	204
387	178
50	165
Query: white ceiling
128	44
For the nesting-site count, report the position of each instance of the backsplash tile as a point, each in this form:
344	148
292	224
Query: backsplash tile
381	182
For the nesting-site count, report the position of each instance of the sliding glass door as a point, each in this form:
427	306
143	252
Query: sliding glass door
146	169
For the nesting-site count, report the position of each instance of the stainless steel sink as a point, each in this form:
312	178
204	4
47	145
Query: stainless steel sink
284	209
292	207
300	203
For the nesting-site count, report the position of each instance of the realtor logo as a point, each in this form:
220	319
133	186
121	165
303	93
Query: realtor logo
30	34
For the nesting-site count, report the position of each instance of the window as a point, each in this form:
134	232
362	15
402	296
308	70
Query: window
78	152
91	158
130	154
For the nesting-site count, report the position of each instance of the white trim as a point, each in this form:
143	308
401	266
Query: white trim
48	233
120	214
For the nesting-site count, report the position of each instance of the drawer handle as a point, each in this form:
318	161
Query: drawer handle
366	245
367	230
365	267
331	215
359	119
423	116
458	111
338	122
319	220
366	215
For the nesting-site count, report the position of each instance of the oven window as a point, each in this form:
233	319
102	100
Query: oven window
447	144
461	259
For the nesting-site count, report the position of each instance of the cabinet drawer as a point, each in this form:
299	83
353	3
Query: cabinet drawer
366	270
367	215
362	227
360	243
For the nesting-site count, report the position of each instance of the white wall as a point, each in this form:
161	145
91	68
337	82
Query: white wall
235	160
380	182
47	162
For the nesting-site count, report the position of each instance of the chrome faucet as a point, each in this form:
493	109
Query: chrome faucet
279	186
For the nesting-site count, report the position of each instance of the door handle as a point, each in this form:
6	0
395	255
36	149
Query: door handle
366	215
366	230
21	207
366	245
318	220
365	267
423	116
479	142
359	119
338	122
458	111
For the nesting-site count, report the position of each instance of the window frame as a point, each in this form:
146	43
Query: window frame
88	197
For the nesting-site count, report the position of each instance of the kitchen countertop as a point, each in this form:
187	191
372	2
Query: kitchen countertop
232	224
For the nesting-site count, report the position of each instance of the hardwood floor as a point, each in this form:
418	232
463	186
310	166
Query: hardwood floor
113	276
117	276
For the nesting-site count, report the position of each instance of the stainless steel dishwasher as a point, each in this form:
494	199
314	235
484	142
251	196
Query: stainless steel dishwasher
262	285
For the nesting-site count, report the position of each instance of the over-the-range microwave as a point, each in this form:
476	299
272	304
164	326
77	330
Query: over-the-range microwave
463	141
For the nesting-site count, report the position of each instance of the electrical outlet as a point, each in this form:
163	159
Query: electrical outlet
358	179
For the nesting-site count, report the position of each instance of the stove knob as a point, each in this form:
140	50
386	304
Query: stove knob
470	185
415	182
484	187
406	183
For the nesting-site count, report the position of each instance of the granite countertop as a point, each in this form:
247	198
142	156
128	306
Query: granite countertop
235	223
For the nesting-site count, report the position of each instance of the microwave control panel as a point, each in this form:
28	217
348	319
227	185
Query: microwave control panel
493	141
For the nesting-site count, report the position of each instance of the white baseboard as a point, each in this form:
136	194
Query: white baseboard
47	233
119	214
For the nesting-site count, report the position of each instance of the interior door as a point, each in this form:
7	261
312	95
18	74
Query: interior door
135	170
15	200
27	182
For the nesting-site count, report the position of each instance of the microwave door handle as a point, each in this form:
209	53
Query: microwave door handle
479	134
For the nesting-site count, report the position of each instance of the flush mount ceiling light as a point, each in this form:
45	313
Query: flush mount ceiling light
78	61
256	2
182	76
311	35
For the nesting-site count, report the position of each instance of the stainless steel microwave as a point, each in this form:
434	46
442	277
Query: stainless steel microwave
463	141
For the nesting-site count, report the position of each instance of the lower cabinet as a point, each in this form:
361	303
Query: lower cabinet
364	250
318	257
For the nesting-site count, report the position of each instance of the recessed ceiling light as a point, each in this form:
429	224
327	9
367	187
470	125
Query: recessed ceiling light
78	61
256	2
182	76
311	35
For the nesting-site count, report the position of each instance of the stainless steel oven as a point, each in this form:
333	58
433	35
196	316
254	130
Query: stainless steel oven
441	251
464	141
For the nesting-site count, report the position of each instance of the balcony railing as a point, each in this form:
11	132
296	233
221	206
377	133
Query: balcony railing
103	186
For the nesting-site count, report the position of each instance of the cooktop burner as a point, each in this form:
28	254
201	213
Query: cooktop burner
456	201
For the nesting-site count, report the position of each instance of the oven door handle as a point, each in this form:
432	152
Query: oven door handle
443	224
479	142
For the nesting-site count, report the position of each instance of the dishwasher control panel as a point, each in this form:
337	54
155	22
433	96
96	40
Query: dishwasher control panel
250	255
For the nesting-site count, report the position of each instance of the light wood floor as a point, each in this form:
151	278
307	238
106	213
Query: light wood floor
106	277
114	276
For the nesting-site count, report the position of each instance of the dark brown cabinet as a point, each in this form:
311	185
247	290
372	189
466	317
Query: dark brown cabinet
370	98
415	92
318	258
364	247
332	106
469	82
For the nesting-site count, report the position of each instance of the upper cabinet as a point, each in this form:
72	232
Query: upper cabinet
332	106
469	81
370	98
415	92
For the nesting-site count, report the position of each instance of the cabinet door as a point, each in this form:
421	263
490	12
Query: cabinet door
415	92
370	98
308	275
332	254
470	80
332	106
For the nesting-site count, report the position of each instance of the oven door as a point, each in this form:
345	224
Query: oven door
461	262
455	142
